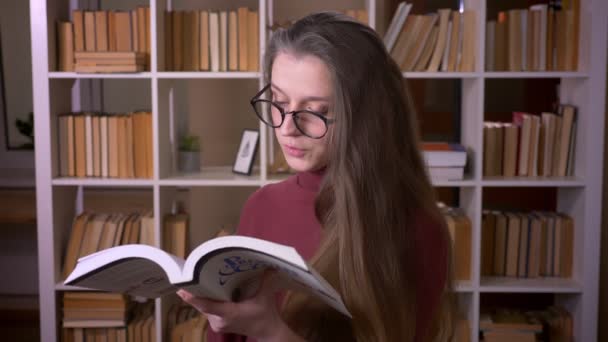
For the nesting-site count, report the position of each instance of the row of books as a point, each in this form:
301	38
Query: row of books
527	245
460	228
138	326
541	38
551	324
93	232
444	161
95	310
105	145
103	31
360	15
442	41
185	324
226	40
94	334
531	145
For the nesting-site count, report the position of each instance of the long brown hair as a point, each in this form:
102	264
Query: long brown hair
374	190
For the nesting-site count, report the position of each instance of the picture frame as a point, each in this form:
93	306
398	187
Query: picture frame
245	155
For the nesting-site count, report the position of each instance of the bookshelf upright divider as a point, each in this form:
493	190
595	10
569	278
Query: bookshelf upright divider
60	198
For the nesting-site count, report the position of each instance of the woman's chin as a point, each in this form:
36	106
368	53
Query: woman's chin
298	164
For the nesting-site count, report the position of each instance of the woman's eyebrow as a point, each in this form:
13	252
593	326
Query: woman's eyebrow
305	99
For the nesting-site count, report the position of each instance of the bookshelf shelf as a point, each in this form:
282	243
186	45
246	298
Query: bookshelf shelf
532	182
548	74
75	75
103	182
212	176
464	287
197	100
449	75
466	183
461	183
535	285
207	75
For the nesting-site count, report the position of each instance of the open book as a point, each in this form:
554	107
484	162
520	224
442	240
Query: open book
225	268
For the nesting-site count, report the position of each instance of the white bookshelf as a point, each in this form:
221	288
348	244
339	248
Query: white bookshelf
59	199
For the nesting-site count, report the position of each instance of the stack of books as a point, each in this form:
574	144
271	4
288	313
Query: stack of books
94	232
108	62
104	31
445	161
543	37
527	245
532	145
95	310
212	40
116	145
551	324
509	325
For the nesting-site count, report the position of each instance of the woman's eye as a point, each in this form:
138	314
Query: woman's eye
321	110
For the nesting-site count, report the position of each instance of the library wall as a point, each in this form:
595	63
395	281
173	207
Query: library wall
214	208
218	111
16	65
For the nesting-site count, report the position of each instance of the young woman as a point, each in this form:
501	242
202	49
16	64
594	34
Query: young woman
361	207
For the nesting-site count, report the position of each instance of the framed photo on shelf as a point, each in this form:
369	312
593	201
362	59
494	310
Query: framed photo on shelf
246	152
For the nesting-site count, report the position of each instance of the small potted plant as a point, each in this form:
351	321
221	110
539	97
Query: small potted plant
189	154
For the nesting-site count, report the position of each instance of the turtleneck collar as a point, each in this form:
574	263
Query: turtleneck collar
310	180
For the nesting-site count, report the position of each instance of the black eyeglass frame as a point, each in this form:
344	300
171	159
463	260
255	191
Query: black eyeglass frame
255	99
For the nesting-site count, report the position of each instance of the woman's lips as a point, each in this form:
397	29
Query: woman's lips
293	151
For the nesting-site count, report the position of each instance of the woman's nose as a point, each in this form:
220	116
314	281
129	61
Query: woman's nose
289	126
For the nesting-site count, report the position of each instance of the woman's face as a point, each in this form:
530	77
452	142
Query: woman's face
300	83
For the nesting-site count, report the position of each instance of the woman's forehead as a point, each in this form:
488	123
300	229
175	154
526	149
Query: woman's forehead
304	76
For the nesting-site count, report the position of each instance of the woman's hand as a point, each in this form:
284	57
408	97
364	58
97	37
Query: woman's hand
257	317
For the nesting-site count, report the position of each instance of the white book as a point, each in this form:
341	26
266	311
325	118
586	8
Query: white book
88	128
444	154
446	52
227	268
214	41
446	173
394	28
103	123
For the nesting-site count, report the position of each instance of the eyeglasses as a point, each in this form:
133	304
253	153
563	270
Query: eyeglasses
311	124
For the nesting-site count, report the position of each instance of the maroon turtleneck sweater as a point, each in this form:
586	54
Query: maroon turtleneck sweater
284	213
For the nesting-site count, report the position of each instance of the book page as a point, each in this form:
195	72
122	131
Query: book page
137	277
235	273
139	270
